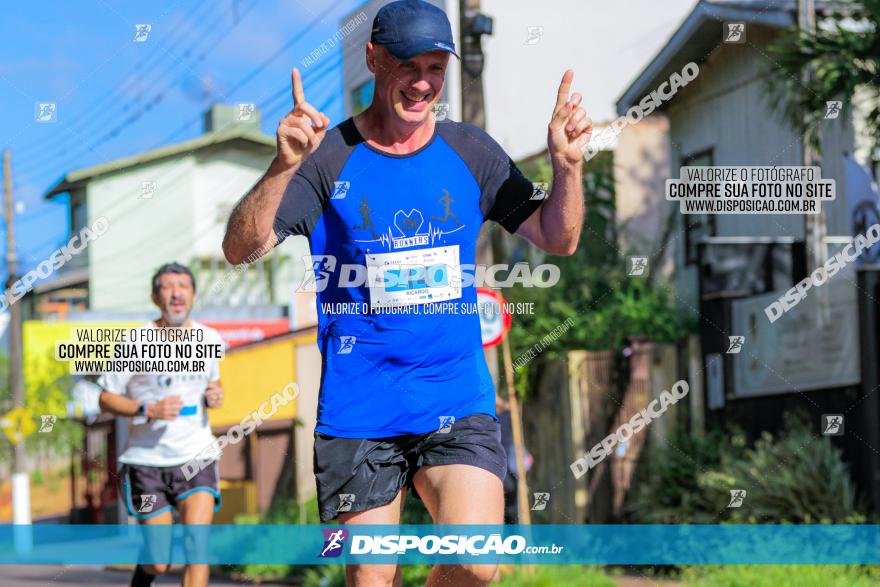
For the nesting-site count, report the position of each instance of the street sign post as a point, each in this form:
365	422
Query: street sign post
494	323
494	326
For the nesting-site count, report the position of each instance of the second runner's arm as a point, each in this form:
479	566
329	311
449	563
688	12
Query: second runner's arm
114	400
119	405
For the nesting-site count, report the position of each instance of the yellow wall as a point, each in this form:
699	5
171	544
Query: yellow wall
47	381
250	377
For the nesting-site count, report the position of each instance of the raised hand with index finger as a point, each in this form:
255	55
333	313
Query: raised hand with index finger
302	130
570	127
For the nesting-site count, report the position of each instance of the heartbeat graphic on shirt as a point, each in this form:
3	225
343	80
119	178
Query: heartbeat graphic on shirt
389	240
408	230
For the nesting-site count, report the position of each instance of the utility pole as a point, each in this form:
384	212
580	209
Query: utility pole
814	224
21	507
472	26
472	102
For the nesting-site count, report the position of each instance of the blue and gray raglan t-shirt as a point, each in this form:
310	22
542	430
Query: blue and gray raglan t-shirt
392	364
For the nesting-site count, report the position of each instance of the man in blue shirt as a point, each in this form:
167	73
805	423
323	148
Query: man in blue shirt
406	398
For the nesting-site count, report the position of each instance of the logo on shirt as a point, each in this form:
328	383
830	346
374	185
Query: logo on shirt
408	225
367	222
346	345
340	189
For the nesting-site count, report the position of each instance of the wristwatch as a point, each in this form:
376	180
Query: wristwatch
140	416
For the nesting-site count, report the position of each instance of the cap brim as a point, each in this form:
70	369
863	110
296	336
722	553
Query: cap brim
409	49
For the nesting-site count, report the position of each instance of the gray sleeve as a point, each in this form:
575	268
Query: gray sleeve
312	184
302	203
505	193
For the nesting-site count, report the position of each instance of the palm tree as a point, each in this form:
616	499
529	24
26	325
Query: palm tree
843	57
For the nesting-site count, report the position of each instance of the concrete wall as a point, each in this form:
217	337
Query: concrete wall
184	220
221	177
308	361
143	233
641	167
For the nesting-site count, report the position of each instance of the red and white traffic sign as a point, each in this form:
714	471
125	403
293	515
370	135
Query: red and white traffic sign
494	321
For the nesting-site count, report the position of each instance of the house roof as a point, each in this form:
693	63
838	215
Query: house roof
64	279
80	177
700	32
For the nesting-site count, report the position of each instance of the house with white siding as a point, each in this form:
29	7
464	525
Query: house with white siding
172	204
821	356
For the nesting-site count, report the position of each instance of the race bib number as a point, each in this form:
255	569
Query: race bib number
414	277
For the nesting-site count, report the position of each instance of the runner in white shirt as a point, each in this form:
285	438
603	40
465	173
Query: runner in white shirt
168	427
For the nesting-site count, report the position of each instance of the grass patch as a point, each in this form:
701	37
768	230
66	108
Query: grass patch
775	575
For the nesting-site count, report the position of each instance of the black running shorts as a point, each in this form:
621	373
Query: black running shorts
358	474
149	491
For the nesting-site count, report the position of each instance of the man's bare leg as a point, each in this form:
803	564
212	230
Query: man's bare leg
157	549
375	575
461	494
196	508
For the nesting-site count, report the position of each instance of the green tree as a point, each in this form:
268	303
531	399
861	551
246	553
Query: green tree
595	305
842	56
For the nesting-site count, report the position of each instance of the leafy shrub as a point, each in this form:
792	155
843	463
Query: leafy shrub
668	489
795	478
553	575
776	575
798	477
600	306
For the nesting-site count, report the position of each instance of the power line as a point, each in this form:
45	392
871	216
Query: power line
37	253
85	116
135	116
283	92
149	240
256	71
171	244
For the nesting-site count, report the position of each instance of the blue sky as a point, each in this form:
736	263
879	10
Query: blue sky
116	97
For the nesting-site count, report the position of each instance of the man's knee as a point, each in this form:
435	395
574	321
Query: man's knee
478	573
469	574
195	544
370	575
157	569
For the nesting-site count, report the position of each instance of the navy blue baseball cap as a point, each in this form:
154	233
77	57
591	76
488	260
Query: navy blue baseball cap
410	27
